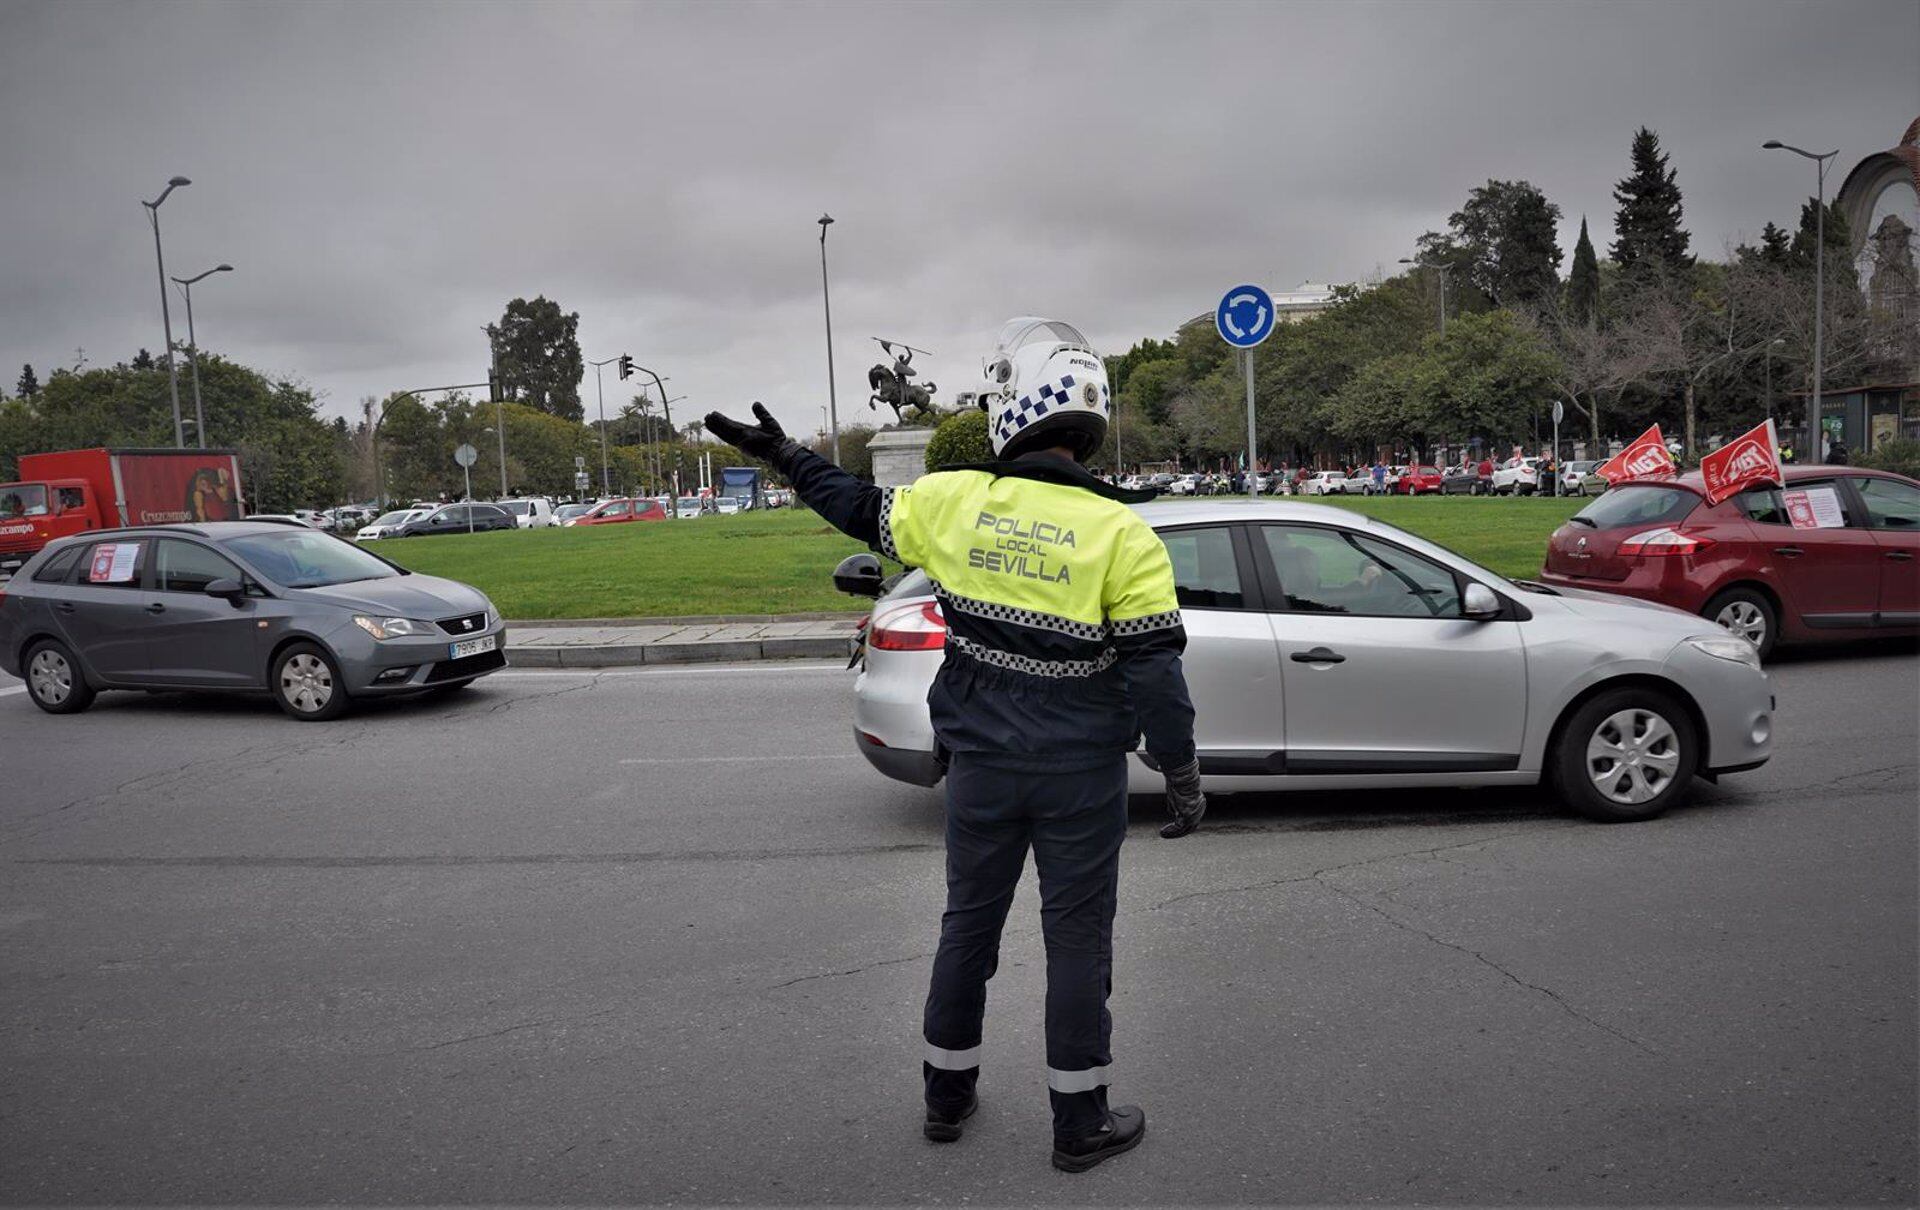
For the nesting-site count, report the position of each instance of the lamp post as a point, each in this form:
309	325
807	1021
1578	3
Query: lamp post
193	349
166	320
1442	268
600	393
666	406
826	301
1819	288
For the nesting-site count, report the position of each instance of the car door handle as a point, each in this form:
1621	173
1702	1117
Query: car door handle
65	607
1788	552
1319	655
1905	556
156	607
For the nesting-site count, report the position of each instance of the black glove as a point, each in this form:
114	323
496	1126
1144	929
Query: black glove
764	440
1185	802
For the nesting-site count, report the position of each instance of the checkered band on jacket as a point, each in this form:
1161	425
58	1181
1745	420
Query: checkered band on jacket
1034	405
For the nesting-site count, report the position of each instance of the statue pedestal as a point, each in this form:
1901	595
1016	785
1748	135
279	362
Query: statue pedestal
899	456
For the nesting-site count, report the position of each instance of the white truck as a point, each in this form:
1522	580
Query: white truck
531	512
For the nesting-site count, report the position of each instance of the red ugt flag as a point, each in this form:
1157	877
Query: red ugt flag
1646	458
1751	458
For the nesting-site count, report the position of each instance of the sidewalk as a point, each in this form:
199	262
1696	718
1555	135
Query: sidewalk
616	643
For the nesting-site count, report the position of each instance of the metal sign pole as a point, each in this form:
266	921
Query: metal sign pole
1253	487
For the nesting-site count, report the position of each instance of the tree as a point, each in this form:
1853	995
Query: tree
536	349
1502	243
29	386
1647	224
1583	284
142	360
855	458
960	438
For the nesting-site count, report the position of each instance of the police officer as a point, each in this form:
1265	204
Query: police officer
1063	647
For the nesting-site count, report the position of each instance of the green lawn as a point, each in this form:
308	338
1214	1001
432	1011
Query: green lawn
779	562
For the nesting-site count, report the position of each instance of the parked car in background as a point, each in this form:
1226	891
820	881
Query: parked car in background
1319	642
567	512
1835	555
1359	483
620	511
687	507
530	512
1325	483
239	606
386	525
1183	485
458	519
1517	476
1418	481
1580	479
1465	480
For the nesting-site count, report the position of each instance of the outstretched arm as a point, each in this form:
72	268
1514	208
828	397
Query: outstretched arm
850	505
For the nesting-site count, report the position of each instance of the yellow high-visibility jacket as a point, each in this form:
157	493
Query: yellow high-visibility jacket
1063	632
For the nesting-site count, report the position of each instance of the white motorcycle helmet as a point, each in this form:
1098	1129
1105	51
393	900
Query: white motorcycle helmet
1046	386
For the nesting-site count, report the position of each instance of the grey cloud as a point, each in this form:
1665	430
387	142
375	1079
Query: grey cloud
385	176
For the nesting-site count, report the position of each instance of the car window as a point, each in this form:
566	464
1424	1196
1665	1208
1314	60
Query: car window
188	567
73	497
1768	505
1891	504
1205	573
1337	571
57	569
114	564
615	510
1641	504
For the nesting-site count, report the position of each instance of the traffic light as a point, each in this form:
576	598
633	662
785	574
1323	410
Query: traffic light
626	366
493	387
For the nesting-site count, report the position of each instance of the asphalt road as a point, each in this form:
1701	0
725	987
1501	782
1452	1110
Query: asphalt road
659	936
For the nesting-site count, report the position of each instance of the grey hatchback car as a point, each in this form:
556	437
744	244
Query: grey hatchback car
246	606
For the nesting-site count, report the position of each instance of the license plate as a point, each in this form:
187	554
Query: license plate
474	646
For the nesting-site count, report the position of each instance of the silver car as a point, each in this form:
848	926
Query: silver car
1330	651
235	605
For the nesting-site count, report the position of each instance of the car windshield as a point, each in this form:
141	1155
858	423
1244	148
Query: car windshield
24	500
297	559
394	518
689	502
1638	504
517	507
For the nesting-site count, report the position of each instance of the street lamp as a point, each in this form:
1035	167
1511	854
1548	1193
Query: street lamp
826	300
1819	288
1442	268
601	394
193	348
166	320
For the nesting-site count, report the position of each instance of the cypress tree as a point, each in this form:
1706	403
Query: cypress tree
1583	283
29	384
1647	223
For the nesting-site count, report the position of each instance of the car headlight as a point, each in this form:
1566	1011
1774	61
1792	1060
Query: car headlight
1737	650
391	628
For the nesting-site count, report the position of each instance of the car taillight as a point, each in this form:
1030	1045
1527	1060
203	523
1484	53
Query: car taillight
916	626
1663	541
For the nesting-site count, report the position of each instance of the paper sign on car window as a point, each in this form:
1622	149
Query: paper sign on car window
114	563
1814	508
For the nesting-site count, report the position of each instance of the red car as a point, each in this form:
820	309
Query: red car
614	512
1835	555
1418	481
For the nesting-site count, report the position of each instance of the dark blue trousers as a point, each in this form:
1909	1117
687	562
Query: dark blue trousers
1074	818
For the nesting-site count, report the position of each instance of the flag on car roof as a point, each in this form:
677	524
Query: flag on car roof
1645	458
1748	460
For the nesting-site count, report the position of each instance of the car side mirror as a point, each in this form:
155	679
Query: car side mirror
858	575
229	590
1479	603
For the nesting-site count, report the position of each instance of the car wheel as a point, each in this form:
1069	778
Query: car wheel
54	680
306	683
1627	755
1747	613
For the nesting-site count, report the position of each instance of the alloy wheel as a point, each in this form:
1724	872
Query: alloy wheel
1745	619
50	676
306	682
1632	756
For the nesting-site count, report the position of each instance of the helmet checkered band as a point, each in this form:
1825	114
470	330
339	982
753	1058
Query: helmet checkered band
1031	407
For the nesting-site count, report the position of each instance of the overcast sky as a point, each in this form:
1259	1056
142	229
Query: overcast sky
385	176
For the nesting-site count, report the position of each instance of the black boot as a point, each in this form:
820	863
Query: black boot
1125	1127
944	1126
